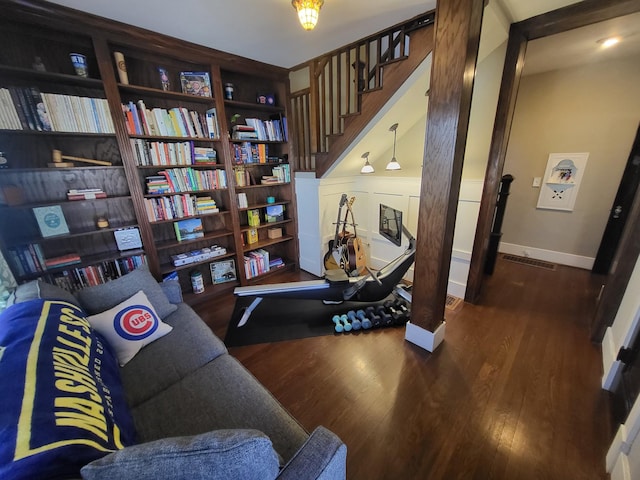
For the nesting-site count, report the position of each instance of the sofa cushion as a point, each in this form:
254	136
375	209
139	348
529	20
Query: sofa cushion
160	365
107	295
217	455
39	289
62	404
129	326
225	396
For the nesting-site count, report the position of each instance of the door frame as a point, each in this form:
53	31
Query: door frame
573	16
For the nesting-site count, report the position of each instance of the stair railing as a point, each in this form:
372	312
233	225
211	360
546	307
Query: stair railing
337	81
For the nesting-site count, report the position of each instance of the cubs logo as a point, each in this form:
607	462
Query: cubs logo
136	322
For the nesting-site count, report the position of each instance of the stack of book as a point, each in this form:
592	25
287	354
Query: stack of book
242	200
85	194
270	179
257	262
168	208
76	278
244	132
163	153
62	261
157	185
204	156
205	205
282	172
248	152
180	180
27	258
276	262
243	177
174	122
268	130
25	108
199	255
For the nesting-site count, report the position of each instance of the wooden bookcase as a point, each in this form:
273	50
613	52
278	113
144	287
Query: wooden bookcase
39	29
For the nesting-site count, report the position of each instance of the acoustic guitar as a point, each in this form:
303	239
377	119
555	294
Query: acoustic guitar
346	250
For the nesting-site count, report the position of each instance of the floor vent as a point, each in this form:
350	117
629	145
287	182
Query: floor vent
530	261
453	302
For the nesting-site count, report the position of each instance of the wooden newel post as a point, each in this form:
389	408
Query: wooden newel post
457	35
496	233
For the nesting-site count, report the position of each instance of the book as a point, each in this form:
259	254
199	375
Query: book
189	229
51	220
196	83
223	271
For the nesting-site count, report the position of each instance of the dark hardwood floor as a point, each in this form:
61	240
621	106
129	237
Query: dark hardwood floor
512	393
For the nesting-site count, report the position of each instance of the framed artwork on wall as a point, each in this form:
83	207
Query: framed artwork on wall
561	181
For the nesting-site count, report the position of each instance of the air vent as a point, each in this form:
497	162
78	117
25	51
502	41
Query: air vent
452	302
532	262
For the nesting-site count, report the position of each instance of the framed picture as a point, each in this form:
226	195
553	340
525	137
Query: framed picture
51	220
196	83
561	181
189	229
223	271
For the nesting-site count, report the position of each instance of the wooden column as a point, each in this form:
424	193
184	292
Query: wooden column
457	37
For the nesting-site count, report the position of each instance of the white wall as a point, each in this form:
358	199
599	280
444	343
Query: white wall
593	108
402	193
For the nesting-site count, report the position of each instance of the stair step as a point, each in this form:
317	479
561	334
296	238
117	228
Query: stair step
334	135
374	89
393	60
347	115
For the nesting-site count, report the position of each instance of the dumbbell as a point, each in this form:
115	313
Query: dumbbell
355	321
338	328
366	323
347	326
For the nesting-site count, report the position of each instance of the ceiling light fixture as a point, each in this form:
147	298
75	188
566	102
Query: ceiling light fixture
609	42
393	164
367	167
308	11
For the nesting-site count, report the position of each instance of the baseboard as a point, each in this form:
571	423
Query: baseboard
562	258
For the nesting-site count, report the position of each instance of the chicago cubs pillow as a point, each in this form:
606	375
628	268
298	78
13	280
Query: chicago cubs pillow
129	326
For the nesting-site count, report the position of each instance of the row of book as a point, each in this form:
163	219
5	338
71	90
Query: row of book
179	180
178	206
26	108
173	122
247	152
172	153
243	177
282	173
258	262
29	259
266	130
74	279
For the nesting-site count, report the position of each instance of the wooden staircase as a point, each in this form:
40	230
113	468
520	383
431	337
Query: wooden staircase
347	87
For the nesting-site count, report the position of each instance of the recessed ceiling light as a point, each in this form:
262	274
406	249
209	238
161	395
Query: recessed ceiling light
609	42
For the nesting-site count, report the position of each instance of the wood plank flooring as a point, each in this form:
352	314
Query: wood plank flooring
512	393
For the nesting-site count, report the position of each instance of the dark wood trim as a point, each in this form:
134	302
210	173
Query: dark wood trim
457	35
573	16
624	262
514	61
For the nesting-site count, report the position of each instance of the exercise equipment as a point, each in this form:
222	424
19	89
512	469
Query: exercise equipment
337	286
391	313
338	328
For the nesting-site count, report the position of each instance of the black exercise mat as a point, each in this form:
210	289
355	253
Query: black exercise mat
279	319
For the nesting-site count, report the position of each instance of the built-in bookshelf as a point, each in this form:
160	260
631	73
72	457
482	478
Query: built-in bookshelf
169	150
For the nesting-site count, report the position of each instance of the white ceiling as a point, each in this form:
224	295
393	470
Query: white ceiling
268	30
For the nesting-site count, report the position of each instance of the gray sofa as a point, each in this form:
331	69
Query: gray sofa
197	411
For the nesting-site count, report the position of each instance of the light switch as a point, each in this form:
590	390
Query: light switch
536	181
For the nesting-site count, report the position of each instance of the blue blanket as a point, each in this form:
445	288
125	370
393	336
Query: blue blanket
62	403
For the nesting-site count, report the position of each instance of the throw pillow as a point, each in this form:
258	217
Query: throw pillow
216	455
39	289
129	326
62	404
102	297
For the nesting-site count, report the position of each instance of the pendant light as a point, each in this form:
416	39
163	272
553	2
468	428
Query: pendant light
367	167
393	164
308	11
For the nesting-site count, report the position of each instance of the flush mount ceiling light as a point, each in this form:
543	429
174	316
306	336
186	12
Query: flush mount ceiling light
308	11
393	164
609	41
367	167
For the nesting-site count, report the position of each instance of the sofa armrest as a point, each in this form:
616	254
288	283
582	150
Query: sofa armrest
323	456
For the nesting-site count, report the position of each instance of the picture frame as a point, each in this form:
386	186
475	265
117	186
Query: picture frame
51	221
561	181
196	83
223	271
189	229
